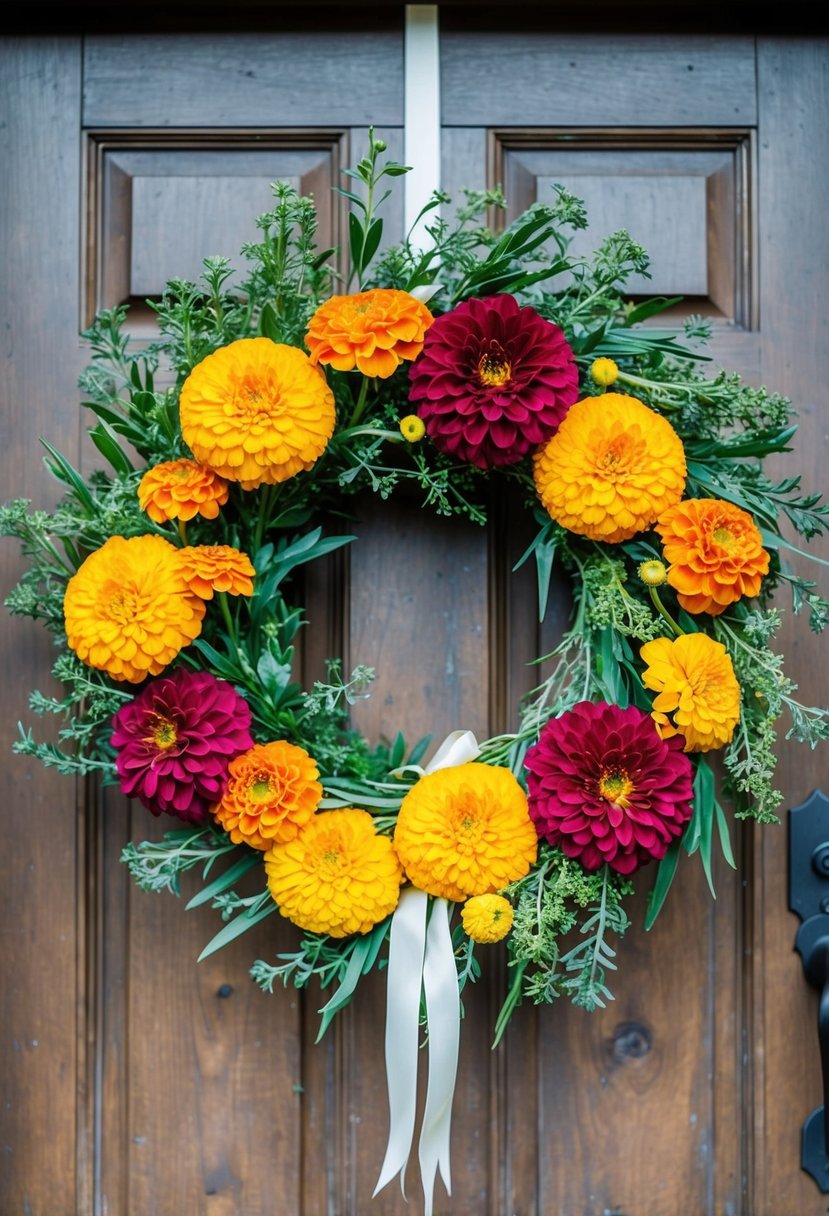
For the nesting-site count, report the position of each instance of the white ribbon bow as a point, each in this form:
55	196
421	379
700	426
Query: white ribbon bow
421	958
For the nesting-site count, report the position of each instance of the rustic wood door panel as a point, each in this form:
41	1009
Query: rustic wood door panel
136	1081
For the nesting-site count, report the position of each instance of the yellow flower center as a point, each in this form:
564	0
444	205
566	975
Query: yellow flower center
121	603
494	369
260	787
615	785
616	452
258	399
723	537
164	734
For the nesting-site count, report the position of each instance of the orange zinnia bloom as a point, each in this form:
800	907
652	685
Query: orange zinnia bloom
209	568
373	331
698	696
612	467
338	876
272	791
181	489
257	412
715	553
464	831
129	610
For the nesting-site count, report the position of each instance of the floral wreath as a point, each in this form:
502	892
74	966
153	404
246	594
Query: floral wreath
167	585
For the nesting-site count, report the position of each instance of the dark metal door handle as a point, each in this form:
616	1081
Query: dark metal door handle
809	898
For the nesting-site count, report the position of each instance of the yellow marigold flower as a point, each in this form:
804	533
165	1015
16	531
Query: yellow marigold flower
412	428
271	793
128	608
465	831
209	568
715	552
487	918
653	573
257	412
373	331
604	372
611	469
181	489
698	694
338	876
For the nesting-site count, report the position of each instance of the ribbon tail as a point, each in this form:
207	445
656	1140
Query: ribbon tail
459	747
440	985
407	945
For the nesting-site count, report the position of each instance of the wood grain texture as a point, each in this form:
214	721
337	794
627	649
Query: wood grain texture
244	79
793	77
578	80
40	1001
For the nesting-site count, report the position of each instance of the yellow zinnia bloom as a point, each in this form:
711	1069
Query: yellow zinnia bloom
487	918
465	831
698	694
610	470
181	489
209	568
257	412
373	331
129	610
338	876
271	793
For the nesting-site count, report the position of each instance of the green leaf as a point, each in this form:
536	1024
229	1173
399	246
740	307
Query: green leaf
269	323
225	881
375	232
699	833
346	989
392	169
60	468
662	883
355	232
724	835
109	447
352	198
397	752
236	927
650	308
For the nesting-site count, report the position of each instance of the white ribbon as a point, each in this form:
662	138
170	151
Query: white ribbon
422	957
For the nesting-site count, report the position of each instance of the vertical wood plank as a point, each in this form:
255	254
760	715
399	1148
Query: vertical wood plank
793	78
40	949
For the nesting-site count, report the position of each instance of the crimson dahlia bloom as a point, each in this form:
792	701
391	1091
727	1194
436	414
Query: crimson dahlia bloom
493	381
605	787
175	741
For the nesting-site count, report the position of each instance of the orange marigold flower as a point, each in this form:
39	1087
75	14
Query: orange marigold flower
487	918
715	552
611	469
373	331
698	694
465	831
128	608
337	876
209	568
272	791
257	412
181	489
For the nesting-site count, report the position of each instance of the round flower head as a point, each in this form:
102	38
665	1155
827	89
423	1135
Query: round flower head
412	428
256	412
606	788
465	831
715	552
494	381
128	608
604	372
612	468
175	740
696	686
487	918
272	791
337	876
373	331
181	489
209	568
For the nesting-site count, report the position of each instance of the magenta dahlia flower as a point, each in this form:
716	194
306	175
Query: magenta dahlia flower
493	381
175	741
606	788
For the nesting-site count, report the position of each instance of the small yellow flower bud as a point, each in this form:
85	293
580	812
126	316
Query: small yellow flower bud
604	372
412	428
653	573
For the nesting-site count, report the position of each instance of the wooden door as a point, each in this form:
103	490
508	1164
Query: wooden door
136	1082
